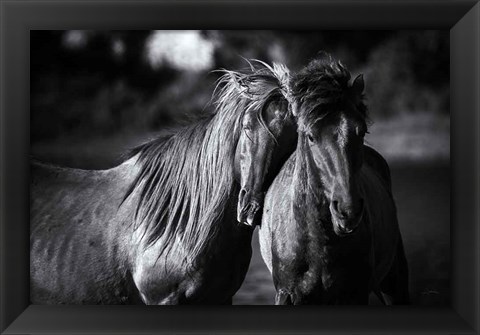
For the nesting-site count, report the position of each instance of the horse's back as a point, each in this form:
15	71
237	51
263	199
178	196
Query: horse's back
57	191
76	255
59	195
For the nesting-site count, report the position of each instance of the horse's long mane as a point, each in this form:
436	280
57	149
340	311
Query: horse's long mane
321	88
187	178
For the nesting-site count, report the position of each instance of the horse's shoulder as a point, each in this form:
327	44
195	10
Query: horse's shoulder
287	168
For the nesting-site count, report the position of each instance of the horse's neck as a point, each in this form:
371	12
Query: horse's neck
309	200
295	235
199	179
309	208
127	171
194	240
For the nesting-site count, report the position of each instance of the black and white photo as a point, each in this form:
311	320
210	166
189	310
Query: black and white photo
240	167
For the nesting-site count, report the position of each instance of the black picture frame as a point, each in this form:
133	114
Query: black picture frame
17	17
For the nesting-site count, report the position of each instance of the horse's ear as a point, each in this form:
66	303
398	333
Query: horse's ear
358	85
280	108
239	83
243	87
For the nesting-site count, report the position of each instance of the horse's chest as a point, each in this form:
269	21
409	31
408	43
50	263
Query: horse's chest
178	277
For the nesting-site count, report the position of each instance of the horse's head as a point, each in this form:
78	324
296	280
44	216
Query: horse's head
332	124
267	137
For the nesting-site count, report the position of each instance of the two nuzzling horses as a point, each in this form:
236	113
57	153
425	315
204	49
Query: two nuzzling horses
173	223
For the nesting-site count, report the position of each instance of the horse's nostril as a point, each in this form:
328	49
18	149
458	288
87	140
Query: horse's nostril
347	211
339	210
335	206
242	195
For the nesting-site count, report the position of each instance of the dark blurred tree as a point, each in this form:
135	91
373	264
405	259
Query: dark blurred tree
351	47
430	59
409	72
90	78
238	44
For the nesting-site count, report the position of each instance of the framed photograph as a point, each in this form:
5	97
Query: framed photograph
216	153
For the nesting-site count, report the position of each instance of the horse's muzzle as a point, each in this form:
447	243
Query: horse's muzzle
248	208
344	227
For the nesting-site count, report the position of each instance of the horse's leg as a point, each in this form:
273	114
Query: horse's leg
282	297
395	285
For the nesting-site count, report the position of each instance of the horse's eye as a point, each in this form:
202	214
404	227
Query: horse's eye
310	137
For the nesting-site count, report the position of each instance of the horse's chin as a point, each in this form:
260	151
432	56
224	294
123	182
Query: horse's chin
252	219
249	207
339	224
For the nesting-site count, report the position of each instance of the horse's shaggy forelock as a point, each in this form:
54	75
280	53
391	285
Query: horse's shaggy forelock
319	88
186	179
322	87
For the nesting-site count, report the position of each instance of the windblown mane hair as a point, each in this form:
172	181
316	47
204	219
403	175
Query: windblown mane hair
186	179
321	88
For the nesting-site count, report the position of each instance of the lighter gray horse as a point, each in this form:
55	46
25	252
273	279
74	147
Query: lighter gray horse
329	232
161	227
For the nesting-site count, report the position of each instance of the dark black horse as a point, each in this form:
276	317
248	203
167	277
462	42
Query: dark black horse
329	231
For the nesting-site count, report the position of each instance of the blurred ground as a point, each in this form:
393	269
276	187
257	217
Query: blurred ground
421	188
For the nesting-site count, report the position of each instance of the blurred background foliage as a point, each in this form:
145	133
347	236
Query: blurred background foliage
97	83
